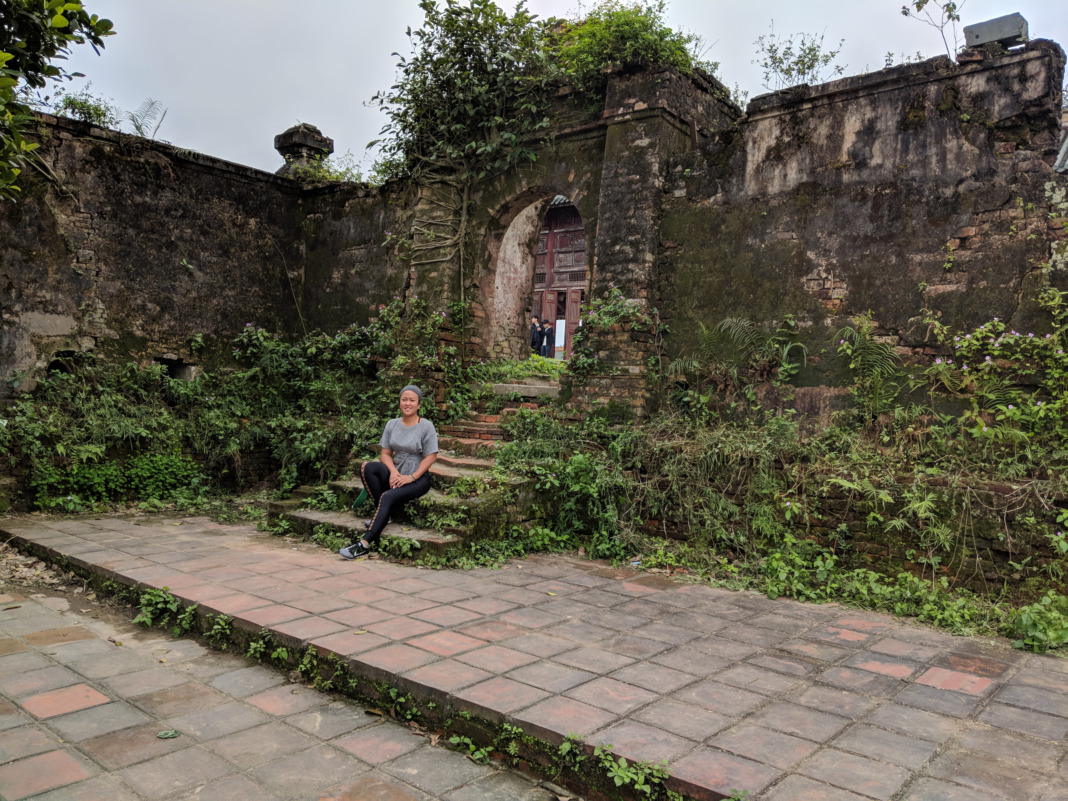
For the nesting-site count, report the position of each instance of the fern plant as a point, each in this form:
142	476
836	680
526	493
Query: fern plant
148	118
874	365
736	353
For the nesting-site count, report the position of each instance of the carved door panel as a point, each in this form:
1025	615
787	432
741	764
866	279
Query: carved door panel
574	306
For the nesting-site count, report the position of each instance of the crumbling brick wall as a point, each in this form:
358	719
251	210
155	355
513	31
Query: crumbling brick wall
927	184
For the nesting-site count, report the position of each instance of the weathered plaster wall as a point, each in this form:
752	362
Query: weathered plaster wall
136	247
821	202
829	201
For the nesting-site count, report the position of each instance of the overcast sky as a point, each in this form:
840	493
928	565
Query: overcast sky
233	73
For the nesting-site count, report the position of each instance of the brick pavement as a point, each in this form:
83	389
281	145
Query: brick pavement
788	701
81	703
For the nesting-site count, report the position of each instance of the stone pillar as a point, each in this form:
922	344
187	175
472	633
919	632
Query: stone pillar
648	125
301	146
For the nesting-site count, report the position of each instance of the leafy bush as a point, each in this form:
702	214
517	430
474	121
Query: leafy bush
331	169
1042	625
87	107
106	431
615	31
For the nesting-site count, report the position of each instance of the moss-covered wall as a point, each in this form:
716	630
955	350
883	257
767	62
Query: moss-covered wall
130	248
352	261
925	184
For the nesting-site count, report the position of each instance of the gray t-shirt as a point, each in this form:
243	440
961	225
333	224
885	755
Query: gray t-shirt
410	444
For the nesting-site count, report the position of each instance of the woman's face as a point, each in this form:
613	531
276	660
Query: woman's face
409	403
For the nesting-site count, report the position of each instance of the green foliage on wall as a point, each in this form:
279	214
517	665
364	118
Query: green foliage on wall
109	432
34	34
617	32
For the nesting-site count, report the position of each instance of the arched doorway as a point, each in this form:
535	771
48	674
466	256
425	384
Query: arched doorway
560	274
536	264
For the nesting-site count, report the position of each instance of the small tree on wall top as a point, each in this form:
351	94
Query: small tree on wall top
615	31
471	92
474	93
792	60
940	14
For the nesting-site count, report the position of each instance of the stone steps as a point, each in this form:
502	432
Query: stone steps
471	429
446	475
347	490
464	462
479	417
468	446
530	388
351	526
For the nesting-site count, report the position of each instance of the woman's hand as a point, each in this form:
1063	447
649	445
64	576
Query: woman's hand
399	480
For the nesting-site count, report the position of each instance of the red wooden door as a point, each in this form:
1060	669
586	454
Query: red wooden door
560	269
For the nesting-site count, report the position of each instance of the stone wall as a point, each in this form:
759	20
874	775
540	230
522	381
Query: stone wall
130	248
351	262
924	184
821	202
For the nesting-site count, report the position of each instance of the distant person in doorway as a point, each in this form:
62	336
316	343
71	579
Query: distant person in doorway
548	339
409	446
535	335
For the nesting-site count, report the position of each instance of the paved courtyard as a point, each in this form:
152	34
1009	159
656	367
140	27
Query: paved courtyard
788	701
82	704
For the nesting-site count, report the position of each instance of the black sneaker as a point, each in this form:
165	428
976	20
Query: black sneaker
354	551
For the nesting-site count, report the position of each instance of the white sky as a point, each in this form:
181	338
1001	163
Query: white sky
233	73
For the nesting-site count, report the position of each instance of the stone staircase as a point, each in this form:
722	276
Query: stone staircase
482	507
480	433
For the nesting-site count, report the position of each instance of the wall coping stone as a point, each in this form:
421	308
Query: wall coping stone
885	80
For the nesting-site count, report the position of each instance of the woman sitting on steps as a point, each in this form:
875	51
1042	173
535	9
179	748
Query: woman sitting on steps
409	446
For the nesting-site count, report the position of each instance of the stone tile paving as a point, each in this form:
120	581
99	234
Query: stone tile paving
788	701
79	719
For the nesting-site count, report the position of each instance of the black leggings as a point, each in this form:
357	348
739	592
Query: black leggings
375	477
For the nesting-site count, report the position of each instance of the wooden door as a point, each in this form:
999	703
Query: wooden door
560	269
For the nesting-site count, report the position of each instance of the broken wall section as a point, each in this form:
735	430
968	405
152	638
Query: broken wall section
925	184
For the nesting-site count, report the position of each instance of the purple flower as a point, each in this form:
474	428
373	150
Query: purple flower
938	361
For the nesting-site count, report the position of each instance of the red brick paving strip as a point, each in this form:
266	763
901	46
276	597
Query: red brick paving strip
60	702
788	702
39	773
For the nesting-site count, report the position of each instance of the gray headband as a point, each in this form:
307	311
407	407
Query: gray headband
413	388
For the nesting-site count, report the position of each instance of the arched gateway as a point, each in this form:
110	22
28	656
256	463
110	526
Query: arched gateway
538	266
